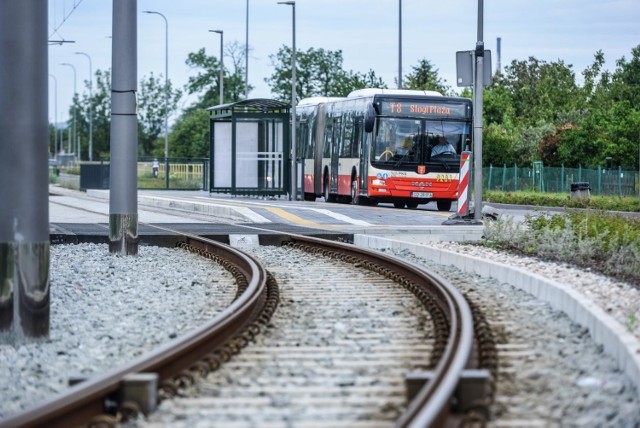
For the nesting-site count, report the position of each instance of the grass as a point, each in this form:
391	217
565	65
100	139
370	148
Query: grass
608	203
595	237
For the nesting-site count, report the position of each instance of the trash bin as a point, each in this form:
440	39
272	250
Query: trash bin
94	176
580	190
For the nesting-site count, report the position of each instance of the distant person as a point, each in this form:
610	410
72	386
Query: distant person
443	147
155	167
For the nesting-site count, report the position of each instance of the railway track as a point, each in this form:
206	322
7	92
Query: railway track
445	347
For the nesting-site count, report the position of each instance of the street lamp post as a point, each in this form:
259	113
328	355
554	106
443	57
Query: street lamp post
55	109
294	165
166	88
221	66
90	104
399	44
75	135
246	55
166	94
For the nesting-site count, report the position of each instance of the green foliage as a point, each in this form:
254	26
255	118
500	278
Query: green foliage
425	77
606	242
319	72
207	82
497	145
610	203
151	112
190	135
155	101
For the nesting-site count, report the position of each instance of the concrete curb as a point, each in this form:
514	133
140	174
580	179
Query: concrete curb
605	330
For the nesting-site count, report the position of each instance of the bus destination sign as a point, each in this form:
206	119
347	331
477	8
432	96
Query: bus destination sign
423	108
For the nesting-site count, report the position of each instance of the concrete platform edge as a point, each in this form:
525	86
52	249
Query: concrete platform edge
606	331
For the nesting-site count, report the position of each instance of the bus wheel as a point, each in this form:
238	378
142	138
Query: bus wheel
412	205
444	204
398	204
355	198
328	197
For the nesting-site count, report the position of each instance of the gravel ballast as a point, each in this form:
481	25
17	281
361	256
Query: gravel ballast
107	309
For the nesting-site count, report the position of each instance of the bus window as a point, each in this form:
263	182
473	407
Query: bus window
446	140
328	135
347	139
357	132
396	139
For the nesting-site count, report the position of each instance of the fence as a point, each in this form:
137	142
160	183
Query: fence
612	181
183	174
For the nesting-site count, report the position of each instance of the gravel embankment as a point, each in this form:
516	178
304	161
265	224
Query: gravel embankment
557	375
105	309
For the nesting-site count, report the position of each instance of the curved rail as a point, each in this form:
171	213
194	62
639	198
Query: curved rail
431	405
87	399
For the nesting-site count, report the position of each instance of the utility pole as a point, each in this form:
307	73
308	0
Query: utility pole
24	173
477	116
123	172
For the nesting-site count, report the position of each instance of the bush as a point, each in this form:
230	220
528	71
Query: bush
609	243
608	203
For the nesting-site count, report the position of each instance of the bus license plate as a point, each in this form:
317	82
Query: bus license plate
421	195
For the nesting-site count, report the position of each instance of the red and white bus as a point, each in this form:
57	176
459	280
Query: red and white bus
380	145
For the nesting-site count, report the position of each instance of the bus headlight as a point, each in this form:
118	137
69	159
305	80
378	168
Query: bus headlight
377	182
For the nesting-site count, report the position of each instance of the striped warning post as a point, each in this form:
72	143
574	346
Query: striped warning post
463	184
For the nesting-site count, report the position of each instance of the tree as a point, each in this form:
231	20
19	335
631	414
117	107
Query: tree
151	113
151	110
318	73
496	146
100	103
425	77
540	90
207	82
626	78
190	134
365	80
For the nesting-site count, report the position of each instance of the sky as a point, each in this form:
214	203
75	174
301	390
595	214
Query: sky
366	31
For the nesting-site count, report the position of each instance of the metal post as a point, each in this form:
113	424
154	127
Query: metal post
399	44
246	56
477	117
166	94
294	160
221	66
74	106
56	143
123	197
90	104
24	180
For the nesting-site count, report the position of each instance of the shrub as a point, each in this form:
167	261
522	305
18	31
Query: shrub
609	243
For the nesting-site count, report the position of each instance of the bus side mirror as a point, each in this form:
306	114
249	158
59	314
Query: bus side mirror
369	118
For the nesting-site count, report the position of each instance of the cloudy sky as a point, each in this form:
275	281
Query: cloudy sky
366	31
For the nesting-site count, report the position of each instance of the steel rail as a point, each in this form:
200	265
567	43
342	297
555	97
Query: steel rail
431	406
88	399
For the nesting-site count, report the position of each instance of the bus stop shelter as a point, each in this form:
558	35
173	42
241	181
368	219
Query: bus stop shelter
250	148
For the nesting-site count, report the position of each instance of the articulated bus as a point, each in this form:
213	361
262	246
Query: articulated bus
379	145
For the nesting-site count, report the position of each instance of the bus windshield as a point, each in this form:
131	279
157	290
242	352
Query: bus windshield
416	141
